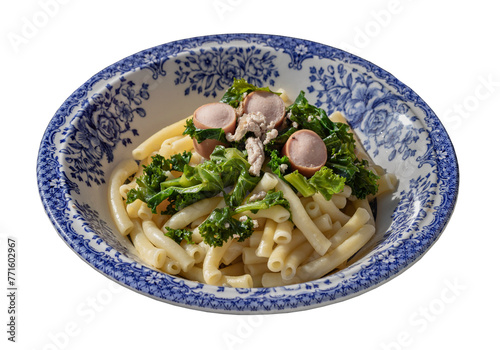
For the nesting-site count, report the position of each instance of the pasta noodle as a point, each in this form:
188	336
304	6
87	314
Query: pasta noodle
267	240
154	142
335	257
302	220
121	173
305	241
211	272
276	213
174	251
283	232
193	212
156	257
281	251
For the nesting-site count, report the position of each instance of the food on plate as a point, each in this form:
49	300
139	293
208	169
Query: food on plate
306	152
250	191
211	116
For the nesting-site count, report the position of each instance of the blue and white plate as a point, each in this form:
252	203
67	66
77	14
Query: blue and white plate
119	107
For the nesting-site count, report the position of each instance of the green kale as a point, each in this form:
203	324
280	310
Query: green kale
227	167
271	199
275	163
324	181
179	161
364	181
221	224
179	234
310	117
237	92
345	163
154	174
234	169
279	141
201	135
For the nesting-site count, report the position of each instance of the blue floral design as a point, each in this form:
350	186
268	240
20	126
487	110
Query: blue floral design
298	50
211	71
99	126
369	107
413	207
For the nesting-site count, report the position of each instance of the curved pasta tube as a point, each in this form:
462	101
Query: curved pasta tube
174	250
326	263
312	209
185	143
243	281
171	266
233	252
194	274
302	220
281	251
190	213
265	184
360	217
301	254
154	142
249	257
211	271
330	208
266	243
283	232
324	222
152	255
117	206
196	251
167	144
276	213
386	183
145	212
133	208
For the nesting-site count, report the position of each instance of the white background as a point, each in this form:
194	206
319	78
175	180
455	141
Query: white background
448	52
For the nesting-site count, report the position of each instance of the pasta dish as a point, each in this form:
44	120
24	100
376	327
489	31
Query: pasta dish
250	191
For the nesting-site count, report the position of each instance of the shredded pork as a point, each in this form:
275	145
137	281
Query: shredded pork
256	155
263	132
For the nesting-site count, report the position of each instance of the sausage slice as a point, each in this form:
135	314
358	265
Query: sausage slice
212	116
268	103
306	152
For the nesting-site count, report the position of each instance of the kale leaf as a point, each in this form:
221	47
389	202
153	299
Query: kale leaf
237	92
221	224
226	167
271	199
202	134
179	234
324	181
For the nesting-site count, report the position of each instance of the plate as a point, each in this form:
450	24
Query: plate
116	109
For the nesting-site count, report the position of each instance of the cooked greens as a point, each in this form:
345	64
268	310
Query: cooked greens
222	225
227	167
237	92
202	134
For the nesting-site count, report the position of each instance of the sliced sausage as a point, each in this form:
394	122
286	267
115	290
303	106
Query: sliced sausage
306	152
268	103
213	116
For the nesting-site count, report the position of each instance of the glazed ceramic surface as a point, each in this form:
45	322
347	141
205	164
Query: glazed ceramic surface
122	105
